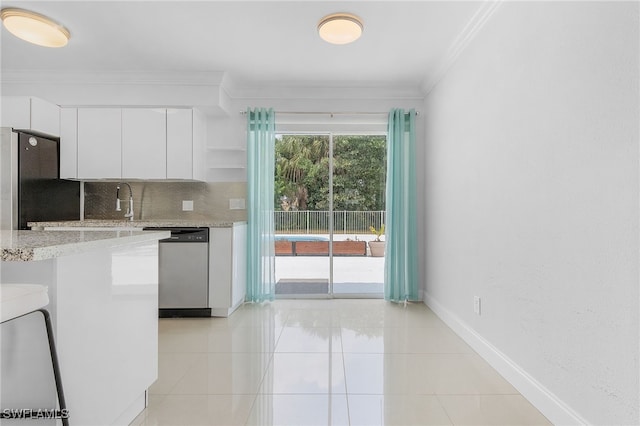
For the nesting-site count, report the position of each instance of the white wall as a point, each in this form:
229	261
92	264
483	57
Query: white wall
532	203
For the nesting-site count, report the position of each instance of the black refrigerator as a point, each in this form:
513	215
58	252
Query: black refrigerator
31	186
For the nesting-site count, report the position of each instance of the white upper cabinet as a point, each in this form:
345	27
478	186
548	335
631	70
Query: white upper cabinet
23	112
132	143
144	143
45	117
99	143
68	143
186	152
180	144
199	146
16	112
116	143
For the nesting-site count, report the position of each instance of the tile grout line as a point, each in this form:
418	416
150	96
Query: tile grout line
344	374
444	409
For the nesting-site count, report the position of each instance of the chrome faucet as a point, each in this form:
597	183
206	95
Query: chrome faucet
129	212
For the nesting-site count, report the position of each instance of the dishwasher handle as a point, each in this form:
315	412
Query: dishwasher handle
183	235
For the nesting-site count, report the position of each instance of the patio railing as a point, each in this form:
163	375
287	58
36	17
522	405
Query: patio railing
317	222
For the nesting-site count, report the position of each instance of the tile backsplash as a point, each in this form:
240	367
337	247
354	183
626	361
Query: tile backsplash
164	200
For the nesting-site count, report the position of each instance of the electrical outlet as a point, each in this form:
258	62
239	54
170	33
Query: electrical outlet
476	305
187	205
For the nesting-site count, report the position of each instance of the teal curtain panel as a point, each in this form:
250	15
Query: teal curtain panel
260	225
401	281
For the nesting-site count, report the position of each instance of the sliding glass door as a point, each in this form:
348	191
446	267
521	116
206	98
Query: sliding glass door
358	186
329	198
302	220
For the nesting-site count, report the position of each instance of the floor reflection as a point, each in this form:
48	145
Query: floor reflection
322	362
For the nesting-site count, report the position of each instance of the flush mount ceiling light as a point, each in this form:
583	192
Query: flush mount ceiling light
34	28
340	28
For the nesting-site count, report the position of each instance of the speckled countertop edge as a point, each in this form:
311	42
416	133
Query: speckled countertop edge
134	224
24	246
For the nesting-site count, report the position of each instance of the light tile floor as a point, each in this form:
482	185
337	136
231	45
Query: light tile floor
321	362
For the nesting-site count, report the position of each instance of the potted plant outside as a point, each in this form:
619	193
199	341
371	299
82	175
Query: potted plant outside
376	246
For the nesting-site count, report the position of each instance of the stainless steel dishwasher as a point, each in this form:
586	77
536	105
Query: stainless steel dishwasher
184	273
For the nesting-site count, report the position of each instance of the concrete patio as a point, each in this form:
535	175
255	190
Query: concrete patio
352	275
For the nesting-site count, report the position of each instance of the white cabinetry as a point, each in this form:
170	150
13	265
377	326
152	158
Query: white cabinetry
179	144
227	269
132	143
68	143
23	112
99	143
144	143
45	117
16	112
186	135
199	146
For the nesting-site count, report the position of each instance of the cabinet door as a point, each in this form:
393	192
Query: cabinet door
99	143
45	117
199	146
179	144
16	112
68	143
144	143
220	272
239	264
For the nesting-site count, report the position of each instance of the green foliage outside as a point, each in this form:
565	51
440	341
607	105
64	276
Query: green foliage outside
302	172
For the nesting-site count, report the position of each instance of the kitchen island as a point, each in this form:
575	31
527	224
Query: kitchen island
227	253
103	291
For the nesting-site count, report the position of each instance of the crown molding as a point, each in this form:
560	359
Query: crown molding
318	91
238	89
216	93
226	87
466	36
118	89
175	78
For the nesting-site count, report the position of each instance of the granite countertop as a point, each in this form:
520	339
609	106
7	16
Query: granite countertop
134	224
40	245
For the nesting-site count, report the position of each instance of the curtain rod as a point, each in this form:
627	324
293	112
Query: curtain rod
329	113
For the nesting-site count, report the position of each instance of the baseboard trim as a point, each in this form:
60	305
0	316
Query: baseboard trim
130	414
544	400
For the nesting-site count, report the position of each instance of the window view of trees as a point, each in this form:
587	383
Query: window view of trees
302	172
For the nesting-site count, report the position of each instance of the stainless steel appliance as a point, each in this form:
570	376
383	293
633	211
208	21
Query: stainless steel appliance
184	273
30	184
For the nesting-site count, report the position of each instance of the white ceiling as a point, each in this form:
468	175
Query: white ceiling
259	43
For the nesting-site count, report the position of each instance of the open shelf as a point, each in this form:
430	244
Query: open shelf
226	158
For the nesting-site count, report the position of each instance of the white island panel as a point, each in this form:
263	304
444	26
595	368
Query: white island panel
104	306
